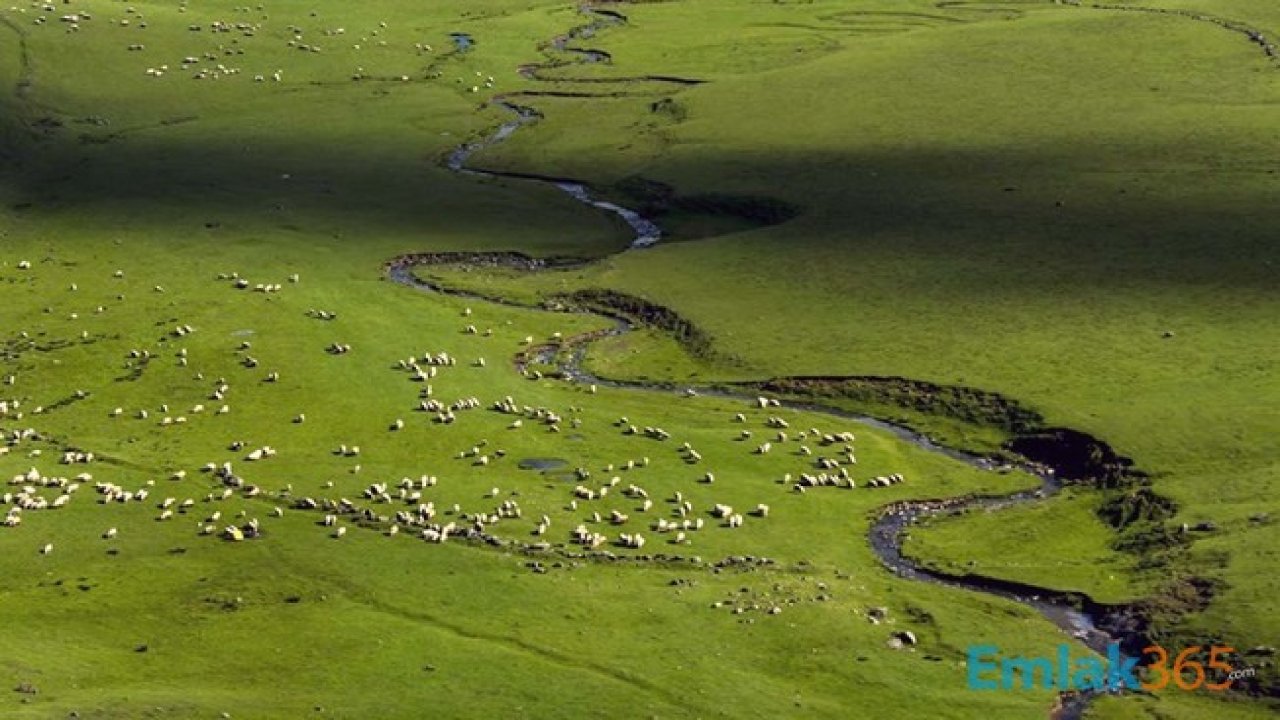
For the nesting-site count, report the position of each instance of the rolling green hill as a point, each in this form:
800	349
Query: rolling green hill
1063	204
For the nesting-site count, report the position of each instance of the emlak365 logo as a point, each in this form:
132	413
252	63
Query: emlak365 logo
989	670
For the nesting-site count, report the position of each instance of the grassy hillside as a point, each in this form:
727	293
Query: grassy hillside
987	201
1067	205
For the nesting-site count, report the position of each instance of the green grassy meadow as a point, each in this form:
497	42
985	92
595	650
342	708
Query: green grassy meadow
1021	197
1031	232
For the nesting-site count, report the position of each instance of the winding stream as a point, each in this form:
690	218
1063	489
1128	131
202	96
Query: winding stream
646	231
888	530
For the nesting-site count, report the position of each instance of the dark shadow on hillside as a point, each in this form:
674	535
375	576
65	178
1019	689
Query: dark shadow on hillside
60	165
961	204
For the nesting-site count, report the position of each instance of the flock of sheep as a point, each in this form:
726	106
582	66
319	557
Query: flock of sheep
602	513
233	41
